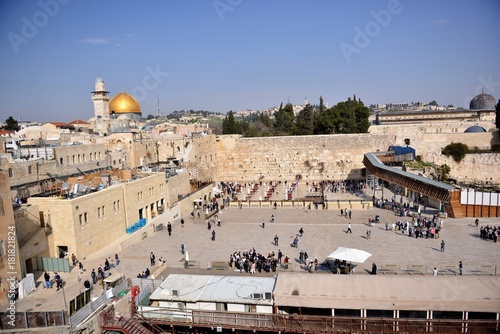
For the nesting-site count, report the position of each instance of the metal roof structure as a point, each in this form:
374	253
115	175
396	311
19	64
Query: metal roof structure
372	158
444	192
216	289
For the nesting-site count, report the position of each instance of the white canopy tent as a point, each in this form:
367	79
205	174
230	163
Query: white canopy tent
349	255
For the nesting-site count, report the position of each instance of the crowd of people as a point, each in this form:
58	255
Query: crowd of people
253	261
489	233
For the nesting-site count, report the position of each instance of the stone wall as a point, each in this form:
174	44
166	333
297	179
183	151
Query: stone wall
234	158
177	185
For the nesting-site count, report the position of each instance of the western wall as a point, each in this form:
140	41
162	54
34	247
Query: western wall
234	158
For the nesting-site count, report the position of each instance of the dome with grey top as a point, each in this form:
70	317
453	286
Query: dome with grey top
482	101
475	128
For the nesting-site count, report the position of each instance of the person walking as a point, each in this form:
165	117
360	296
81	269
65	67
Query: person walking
73	259
349	230
169	229
117	259
263	223
46	276
460	267
435	271
213	235
276	239
301	257
94	276
301	231
152	258
59	282
374	269
442	245
368	233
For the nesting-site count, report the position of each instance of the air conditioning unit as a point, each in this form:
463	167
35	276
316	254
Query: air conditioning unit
257	295
175	292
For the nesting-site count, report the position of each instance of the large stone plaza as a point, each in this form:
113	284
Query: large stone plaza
324	231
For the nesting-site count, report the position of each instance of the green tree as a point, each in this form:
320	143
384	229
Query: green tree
284	121
229	125
11	124
305	121
433	103
456	150
350	116
443	172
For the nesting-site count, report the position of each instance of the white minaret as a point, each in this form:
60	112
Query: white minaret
101	100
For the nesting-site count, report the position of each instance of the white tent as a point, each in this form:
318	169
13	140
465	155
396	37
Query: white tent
349	255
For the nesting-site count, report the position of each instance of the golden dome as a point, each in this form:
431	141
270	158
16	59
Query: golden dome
124	103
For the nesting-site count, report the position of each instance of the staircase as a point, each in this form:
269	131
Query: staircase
454	209
130	326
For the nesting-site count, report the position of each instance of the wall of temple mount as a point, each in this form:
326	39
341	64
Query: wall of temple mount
234	158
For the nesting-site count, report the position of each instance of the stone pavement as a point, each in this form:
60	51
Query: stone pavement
324	231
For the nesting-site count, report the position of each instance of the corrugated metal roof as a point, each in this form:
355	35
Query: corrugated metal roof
377	163
402	150
209	288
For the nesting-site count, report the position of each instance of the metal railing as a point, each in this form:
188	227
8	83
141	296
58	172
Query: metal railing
308	323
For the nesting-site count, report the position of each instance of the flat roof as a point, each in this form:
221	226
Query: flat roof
211	288
382	292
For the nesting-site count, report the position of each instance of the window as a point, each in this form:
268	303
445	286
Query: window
61	161
116	205
221	306
11	172
2	210
83	218
250	308
100	212
30	169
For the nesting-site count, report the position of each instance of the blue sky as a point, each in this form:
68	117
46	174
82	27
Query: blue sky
222	55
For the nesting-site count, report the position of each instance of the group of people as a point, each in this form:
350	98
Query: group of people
489	233
343	186
309	265
57	280
252	261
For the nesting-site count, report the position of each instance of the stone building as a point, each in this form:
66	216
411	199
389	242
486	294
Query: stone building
85	220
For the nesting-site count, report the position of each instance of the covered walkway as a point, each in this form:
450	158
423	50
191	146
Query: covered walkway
443	192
